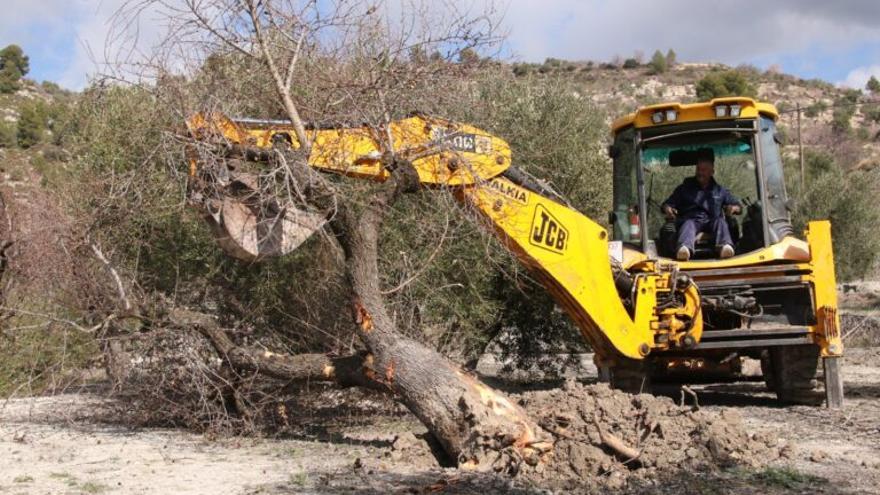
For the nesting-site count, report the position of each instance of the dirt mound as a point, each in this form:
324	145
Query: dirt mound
607	437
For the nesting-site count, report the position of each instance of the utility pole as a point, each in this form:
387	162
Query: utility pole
800	147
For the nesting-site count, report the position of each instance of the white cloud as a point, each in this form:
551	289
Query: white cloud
87	32
858	77
111	38
730	32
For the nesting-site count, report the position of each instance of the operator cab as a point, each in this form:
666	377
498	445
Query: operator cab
657	147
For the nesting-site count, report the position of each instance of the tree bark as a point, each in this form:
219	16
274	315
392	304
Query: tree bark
476	425
347	371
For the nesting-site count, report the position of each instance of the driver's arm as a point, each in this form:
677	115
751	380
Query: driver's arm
731	203
670	206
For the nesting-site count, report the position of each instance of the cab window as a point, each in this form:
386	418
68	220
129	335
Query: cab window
667	163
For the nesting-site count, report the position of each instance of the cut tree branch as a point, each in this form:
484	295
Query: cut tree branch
347	371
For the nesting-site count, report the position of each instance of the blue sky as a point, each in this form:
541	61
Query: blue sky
838	41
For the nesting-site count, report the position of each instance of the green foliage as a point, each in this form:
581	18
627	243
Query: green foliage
732	82
521	70
782	133
8	135
33	121
52	88
550	65
473	288
850	96
872	113
844	109
815	109
789	479
659	63
873	85
671	58
38	353
14	65
555	135
630	63
841	119
31	124
818	84
845	198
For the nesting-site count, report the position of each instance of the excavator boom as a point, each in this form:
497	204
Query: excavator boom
621	316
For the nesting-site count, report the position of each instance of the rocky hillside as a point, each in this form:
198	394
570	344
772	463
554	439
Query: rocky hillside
854	114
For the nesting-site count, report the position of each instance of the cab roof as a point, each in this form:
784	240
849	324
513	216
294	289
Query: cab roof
694	112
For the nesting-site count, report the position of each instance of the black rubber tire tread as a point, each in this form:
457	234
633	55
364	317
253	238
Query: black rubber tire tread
767	371
793	372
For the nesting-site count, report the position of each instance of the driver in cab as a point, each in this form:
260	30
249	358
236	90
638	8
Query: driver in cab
698	205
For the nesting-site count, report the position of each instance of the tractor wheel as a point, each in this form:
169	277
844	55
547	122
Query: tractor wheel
790	371
767	371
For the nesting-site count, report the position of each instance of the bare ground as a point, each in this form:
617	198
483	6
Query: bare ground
355	444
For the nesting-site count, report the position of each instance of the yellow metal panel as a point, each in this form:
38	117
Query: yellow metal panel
694	112
788	249
572	251
441	151
827	329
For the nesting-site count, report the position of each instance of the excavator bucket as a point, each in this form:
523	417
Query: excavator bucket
246	233
247	225
252	229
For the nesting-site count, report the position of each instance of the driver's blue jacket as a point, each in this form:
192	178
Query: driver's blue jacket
693	202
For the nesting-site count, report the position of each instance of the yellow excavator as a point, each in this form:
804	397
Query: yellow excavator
645	314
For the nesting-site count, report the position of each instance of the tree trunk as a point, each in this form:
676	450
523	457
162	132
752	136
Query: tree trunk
476	425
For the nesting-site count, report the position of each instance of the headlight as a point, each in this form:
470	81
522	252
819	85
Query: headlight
734	110
657	117
721	110
671	115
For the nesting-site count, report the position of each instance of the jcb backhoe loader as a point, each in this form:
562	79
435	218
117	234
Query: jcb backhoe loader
644	313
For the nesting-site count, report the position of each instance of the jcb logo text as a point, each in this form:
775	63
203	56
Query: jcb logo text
547	232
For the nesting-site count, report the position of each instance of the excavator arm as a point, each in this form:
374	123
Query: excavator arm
624	316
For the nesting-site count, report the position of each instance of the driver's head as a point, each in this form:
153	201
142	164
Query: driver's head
705	167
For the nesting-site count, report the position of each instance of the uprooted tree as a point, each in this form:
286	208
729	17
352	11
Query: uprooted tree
353	63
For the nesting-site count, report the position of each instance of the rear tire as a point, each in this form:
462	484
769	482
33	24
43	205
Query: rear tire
767	371
790	371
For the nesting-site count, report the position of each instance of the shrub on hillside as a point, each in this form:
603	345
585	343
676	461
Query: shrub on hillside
630	63
815	109
14	65
659	63
844	109
872	113
8	135
732	82
671	58
847	199
31	125
873	85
